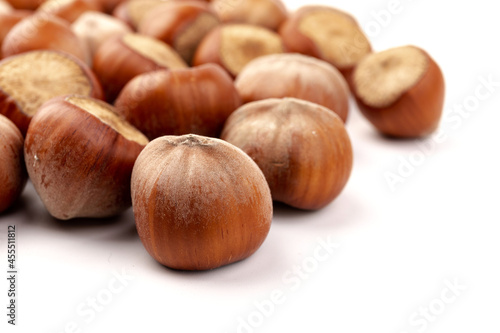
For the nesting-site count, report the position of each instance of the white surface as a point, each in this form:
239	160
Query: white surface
396	248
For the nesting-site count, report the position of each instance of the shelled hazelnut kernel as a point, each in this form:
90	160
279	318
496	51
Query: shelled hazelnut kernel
266	13
233	46
328	34
30	79
299	76
181	24
199	203
122	58
400	91
44	32
12	171
303	149
79	155
196	100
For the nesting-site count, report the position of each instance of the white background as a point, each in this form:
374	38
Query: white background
397	248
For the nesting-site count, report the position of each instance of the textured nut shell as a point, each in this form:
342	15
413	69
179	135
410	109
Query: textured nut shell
233	46
116	63
172	21
299	76
96	28
302	148
109	5
12	170
296	41
199	203
69	10
416	113
266	13
177	102
26	4
79	166
44	32
11	107
9	20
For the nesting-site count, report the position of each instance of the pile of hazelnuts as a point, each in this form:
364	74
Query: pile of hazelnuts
197	113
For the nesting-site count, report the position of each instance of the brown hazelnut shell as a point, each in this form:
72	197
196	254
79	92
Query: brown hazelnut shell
13	174
70	11
302	148
296	41
196	100
211	50
79	165
169	21
116	63
416	113
199	203
43	31
299	76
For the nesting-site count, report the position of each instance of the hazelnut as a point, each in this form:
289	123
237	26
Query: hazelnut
8	20
303	149
109	5
122	58
266	13
96	28
25	4
299	76
199	202
69	10
44	32
400	91
328	34
132	12
233	46
30	79
180	24
79	155
196	100
12	171
5	7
